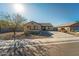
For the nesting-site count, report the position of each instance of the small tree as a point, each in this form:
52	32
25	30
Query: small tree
15	21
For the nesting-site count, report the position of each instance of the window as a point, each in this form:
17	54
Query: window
29	27
35	28
48	27
43	27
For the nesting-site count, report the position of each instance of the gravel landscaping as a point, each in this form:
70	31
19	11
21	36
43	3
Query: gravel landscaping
21	48
59	44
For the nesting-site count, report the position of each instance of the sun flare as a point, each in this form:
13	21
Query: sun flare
19	8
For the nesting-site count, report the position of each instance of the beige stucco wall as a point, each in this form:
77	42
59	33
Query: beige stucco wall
37	26
59	28
66	28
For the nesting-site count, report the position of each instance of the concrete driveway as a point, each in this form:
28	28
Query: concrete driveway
62	44
61	35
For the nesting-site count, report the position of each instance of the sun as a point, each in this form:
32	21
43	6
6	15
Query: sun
18	8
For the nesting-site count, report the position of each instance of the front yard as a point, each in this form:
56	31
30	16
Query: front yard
74	33
21	35
59	44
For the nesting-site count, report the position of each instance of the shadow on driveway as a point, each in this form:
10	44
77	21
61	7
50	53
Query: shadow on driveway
41	33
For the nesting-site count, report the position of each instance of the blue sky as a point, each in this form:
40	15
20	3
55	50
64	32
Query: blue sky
46	12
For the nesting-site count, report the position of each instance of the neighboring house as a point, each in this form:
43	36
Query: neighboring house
34	26
69	27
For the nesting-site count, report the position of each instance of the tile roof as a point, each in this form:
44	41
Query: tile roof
67	24
46	24
42	24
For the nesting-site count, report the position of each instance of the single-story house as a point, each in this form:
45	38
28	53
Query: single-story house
69	27
34	26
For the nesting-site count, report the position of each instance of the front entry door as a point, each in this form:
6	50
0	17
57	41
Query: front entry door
43	28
